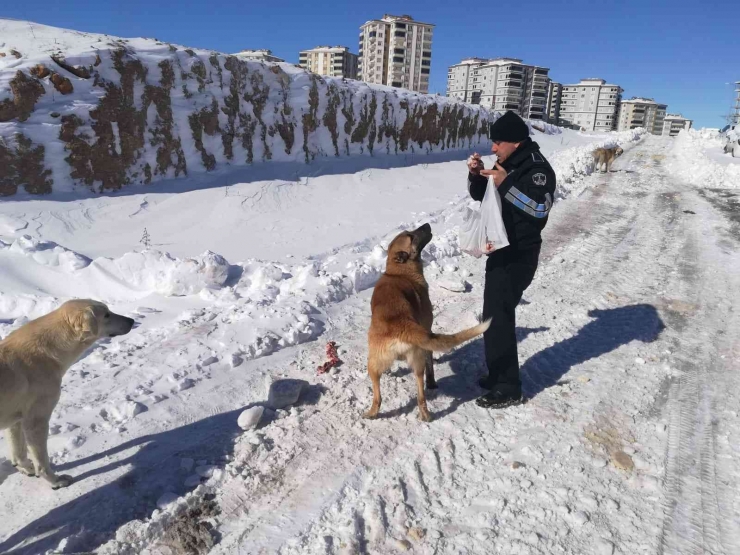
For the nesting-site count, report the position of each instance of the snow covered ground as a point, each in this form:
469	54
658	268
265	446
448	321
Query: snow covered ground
628	339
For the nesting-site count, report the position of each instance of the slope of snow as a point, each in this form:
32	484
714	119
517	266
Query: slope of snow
697	158
137	111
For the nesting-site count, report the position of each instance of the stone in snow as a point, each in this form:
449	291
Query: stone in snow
187	383
283	393
250	417
209	361
205	471
166	499
192	481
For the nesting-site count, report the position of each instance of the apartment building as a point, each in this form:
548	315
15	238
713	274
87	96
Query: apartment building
501	84
332	61
554	97
674	123
258	56
396	51
642	112
460	79
592	104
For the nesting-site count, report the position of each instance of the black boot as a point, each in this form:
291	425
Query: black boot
486	383
501	397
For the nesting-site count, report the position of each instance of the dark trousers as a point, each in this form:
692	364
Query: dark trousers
508	273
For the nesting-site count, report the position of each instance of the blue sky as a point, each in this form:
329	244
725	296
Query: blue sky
682	54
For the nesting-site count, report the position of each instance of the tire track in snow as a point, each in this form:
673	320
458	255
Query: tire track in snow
695	522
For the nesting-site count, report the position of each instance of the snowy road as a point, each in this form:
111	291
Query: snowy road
629	340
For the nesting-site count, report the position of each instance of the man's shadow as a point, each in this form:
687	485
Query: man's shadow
611	329
92	519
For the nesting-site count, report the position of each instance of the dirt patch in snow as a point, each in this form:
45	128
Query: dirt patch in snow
191	533
26	92
23	166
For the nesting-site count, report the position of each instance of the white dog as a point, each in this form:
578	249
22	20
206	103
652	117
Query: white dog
33	360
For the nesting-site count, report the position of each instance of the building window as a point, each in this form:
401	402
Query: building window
399	51
425	70
398	59
396	84
428	62
400	33
427	53
372	34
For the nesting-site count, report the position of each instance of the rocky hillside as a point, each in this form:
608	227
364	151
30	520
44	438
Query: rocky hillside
81	110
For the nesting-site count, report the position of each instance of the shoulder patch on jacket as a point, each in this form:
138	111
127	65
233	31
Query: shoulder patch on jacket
539	179
537	157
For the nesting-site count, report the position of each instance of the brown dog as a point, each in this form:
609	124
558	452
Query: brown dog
401	325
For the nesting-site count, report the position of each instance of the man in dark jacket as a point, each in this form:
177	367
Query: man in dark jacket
526	184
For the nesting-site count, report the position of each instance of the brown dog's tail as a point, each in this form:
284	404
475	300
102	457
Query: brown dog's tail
440	343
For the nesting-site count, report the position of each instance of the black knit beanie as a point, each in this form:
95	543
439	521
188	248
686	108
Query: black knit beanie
509	128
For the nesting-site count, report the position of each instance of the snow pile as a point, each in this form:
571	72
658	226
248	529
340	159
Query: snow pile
543	127
705	133
19	309
691	163
156	271
82	110
46	253
10	225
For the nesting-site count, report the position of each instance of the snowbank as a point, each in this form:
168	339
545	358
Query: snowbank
100	112
692	163
159	272
46	253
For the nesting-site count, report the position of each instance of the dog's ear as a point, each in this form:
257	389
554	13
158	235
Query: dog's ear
85	324
401	257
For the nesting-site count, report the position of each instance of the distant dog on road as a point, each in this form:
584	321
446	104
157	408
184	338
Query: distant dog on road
606	156
401	324
33	360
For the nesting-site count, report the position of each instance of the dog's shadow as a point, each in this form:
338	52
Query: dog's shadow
6	469
92	519
610	329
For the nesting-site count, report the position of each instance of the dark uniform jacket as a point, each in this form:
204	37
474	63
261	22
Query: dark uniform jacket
527	194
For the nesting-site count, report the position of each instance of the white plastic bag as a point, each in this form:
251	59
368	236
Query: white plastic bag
482	231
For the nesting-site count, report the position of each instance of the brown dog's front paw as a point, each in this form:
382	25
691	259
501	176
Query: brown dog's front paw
425	415
371	414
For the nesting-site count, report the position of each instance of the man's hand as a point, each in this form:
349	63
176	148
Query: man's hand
475	164
497	173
